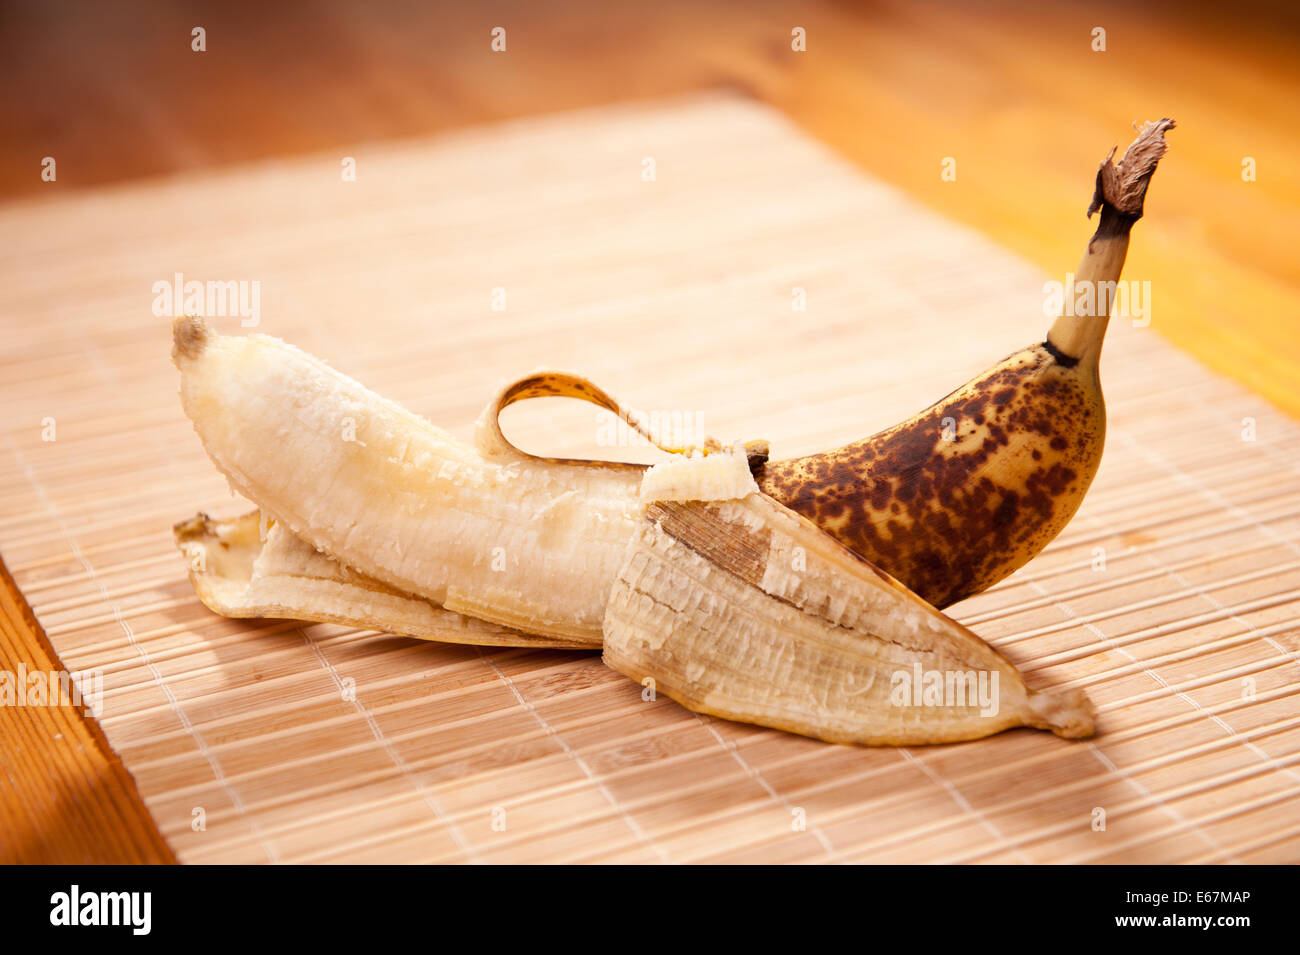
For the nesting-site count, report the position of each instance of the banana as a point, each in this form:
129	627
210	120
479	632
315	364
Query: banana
735	606
250	567
796	594
964	493
686	573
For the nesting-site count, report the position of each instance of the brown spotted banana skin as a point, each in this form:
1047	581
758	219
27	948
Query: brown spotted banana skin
950	518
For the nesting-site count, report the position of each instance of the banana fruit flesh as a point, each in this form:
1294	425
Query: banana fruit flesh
963	494
524	543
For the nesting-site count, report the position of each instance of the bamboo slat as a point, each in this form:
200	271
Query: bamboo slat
1173	597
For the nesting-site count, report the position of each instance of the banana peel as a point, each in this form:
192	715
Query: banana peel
250	566
736	606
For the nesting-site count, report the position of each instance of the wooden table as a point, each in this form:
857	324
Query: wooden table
1012	93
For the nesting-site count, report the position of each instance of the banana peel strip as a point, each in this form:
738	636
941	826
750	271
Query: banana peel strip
548	383
238	572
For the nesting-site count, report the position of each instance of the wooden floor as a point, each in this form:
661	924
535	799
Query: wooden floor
1012	92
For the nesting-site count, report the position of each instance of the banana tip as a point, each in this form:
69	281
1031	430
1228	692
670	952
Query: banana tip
189	335
1069	714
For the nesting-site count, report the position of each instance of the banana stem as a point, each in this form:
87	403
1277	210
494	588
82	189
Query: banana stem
1076	336
1078	333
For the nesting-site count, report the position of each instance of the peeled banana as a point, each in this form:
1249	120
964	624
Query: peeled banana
685	571
691	574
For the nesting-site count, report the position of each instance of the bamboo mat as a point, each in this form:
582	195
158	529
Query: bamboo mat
1173	597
